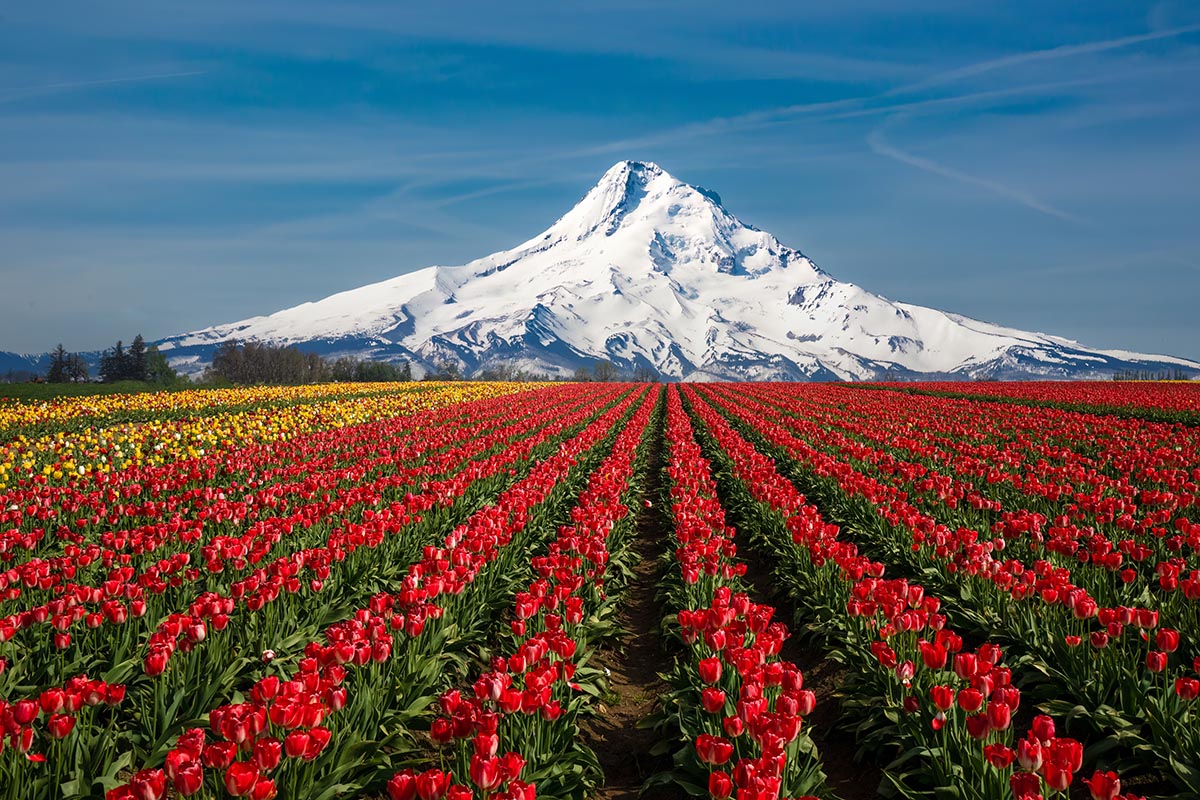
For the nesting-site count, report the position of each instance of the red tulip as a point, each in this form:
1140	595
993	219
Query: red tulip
1167	640
934	655
978	725
713	749
148	784
317	739
710	670
942	697
240	778
713	700
24	711
970	700
432	784
1029	753
60	725
267	754
264	789
998	755
155	663
52	700
188	778
295	744
485	771
1043	728
511	765
402	786
1156	661
1025	785
219	755
1057	778
720	785
1103	785
1187	688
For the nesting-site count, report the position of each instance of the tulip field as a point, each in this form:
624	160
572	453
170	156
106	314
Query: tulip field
420	591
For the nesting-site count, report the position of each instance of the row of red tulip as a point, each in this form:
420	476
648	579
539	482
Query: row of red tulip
295	714
963	550
282	578
737	702
289	511
1133	480
1017	533
1124	679
177	500
528	701
951	707
1181	396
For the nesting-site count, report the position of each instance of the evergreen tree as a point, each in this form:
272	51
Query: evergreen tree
58	372
136	360
158	371
77	369
114	364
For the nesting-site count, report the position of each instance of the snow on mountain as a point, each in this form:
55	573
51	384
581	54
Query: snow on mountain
648	271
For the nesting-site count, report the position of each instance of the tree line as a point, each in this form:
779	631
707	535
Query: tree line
249	363
1149	375
255	363
135	363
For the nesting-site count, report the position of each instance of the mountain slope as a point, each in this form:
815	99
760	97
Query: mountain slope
648	271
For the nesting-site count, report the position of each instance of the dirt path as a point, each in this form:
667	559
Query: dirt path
635	660
823	676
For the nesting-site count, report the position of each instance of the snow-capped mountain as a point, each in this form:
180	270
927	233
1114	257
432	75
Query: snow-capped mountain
650	272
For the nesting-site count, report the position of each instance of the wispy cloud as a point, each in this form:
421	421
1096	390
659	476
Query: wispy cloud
885	102
1033	56
880	145
20	92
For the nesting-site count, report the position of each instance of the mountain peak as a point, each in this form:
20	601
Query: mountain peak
651	272
633	186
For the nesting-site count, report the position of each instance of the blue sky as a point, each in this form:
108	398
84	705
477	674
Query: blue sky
166	166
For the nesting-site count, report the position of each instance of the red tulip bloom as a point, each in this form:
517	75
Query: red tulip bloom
1029	753
710	670
1058	778
720	785
219	755
60	725
978	725
1156	661
965	665
24	711
264	789
402	786
52	700
149	784
999	756
295	744
1043	728
713	749
1167	640
267	753
240	778
713	700
942	697
1103	785
1025	785
933	654
485	771
155	663
432	784
317	739
1187	688
511	765
970	700
188	778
